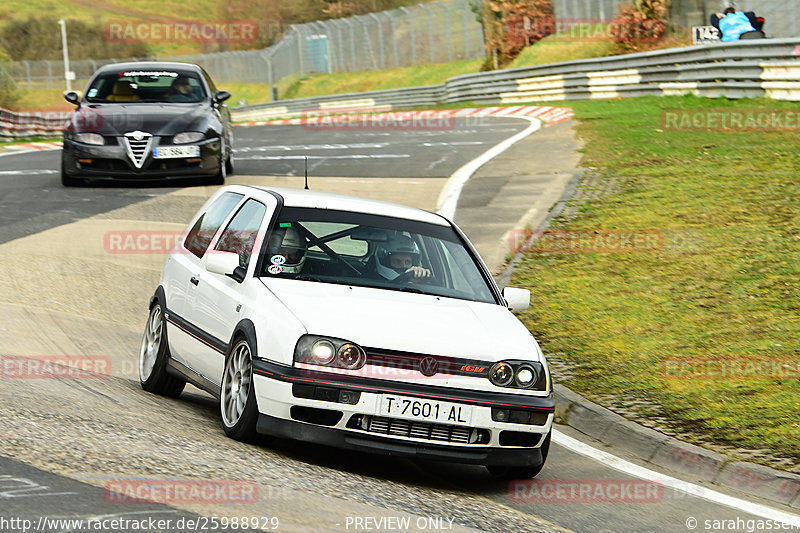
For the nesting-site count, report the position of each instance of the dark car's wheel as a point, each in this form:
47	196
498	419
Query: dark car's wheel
237	398
229	163
522	472
153	357
222	169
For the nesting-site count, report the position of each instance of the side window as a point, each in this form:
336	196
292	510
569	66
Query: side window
240	235
199	237
210	82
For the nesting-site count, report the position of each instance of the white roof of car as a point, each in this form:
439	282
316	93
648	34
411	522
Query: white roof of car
340	202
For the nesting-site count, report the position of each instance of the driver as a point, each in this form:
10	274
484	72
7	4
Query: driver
399	256
181	90
292	249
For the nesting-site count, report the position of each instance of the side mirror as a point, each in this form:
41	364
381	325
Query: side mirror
517	299
225	264
72	97
221	96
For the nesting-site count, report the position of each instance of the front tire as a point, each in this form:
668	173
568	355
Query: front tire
523	472
153	357
237	398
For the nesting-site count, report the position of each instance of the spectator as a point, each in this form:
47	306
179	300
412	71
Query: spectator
732	24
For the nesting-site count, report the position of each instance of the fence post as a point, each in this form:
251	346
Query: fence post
352	43
380	38
28	74
49	74
394	38
466	31
443	5
300	50
368	41
413	36
430	31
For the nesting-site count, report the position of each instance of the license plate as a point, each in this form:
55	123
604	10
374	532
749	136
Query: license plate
426	410
171	152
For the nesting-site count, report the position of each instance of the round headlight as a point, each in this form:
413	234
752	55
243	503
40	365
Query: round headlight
322	352
526	376
351	357
501	374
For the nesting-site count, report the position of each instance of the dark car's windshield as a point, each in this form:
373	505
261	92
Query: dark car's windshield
146	85
373	251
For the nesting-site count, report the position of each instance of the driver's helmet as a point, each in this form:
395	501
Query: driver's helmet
397	255
292	249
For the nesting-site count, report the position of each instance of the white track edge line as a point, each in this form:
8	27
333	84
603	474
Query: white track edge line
448	198
641	472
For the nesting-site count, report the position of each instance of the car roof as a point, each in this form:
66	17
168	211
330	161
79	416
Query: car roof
149	65
342	202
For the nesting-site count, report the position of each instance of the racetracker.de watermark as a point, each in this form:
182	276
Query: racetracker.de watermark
586	241
317	120
55	367
730	120
731	367
580	30
174	492
212	31
585	491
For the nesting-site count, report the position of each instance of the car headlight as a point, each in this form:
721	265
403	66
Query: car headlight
518	375
90	138
188	137
329	351
501	374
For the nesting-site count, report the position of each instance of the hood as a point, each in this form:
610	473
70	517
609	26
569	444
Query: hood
156	118
408	322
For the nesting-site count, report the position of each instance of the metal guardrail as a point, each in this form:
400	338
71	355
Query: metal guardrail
769	67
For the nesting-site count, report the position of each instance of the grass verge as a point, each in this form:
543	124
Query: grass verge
702	333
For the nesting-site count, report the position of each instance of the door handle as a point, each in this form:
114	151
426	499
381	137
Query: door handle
194	280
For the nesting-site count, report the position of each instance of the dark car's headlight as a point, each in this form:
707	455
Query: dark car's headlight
329	351
518	374
90	138
188	137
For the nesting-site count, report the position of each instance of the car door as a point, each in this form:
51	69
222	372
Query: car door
218	298
183	270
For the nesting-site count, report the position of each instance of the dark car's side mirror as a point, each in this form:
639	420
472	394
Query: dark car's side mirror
72	97
221	96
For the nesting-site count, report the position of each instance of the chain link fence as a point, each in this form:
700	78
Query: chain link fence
436	32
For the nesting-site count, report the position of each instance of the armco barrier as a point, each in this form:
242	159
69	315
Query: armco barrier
765	68
31	124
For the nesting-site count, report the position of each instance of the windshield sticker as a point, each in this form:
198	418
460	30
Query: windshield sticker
285	225
92	93
277	259
148	73
275	269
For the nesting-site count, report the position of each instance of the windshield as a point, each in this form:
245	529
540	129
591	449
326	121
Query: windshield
373	251
146	86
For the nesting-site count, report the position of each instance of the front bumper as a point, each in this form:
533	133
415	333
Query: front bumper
113	162
282	413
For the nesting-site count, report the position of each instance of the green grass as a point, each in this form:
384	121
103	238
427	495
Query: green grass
724	285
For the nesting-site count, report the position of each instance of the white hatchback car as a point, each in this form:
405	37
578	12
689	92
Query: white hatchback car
353	323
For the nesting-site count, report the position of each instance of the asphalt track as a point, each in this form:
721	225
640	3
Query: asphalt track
313	488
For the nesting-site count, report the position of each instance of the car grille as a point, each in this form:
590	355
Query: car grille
397	427
137	143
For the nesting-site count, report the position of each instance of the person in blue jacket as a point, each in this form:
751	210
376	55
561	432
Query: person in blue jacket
732	24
